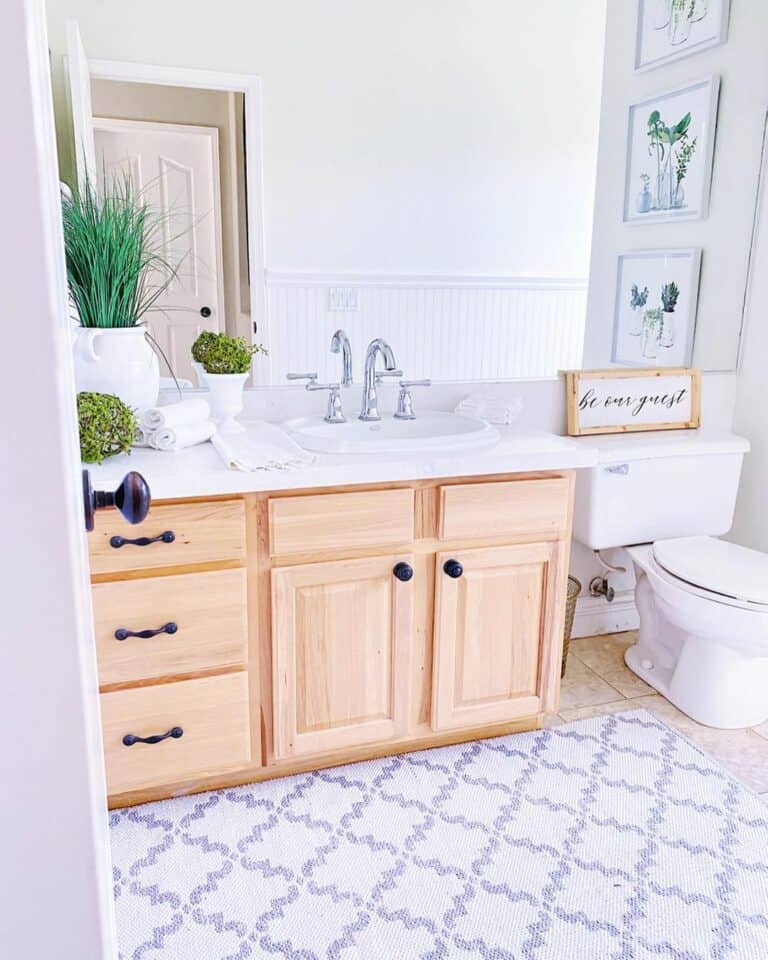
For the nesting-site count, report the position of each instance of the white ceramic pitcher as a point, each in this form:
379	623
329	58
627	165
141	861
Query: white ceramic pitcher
119	361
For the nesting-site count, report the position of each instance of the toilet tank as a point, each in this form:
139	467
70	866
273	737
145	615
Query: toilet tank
657	486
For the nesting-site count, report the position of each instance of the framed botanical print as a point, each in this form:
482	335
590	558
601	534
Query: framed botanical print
655	310
668	30
670	142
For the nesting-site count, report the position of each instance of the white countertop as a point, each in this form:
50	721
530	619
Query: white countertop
199	471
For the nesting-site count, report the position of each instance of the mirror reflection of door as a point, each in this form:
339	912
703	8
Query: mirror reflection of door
175	169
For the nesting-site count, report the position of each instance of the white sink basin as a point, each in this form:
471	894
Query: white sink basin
428	433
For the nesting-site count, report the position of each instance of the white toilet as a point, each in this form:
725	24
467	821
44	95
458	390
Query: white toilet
703	602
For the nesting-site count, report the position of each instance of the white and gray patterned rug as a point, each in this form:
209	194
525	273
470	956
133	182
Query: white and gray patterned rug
607	839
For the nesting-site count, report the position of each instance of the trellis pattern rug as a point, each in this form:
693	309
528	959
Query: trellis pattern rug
607	839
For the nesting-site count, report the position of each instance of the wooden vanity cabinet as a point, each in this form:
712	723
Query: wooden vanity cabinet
341	638
491	624
315	628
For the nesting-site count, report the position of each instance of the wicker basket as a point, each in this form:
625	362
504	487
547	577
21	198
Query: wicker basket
574	589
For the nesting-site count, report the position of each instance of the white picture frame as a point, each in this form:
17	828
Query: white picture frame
666	33
654	323
670	147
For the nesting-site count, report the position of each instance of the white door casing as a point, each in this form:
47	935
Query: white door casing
55	888
175	168
79	78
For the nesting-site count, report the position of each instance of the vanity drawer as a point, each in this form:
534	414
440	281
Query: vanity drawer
180	533
211	714
201	619
507	509
340	521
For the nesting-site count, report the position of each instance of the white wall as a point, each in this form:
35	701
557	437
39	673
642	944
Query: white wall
55	883
751	417
725	235
438	137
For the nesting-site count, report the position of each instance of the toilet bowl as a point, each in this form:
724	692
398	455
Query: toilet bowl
702	602
703	638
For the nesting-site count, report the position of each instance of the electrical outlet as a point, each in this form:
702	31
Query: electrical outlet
343	299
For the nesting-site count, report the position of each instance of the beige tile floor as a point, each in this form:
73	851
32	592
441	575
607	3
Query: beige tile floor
597	681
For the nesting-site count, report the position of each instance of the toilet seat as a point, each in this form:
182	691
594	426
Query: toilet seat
726	572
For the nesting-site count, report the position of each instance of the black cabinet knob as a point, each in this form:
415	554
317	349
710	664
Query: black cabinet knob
453	568
403	571
205	312
132	498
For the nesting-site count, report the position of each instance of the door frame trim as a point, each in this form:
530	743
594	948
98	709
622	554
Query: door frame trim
250	86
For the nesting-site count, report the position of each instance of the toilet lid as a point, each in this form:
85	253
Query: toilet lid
717	566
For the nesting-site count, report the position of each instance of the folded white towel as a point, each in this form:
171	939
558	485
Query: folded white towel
185	435
176	414
493	409
262	446
142	437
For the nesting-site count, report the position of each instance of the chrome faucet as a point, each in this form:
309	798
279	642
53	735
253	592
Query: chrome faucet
370	406
340	344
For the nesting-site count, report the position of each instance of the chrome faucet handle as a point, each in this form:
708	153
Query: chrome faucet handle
334	412
405	400
302	376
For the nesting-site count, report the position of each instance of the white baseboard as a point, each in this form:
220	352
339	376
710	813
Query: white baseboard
594	615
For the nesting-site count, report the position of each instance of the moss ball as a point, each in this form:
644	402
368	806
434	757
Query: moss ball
220	353
107	426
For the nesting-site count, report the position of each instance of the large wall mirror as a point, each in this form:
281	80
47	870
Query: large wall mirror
427	174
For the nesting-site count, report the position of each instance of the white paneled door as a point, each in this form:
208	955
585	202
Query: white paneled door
175	167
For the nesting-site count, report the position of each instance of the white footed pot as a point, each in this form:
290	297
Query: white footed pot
226	399
199	373
119	361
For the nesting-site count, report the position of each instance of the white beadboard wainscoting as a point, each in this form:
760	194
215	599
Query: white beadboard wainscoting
446	328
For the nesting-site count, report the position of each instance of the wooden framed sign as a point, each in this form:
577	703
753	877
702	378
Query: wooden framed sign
624	401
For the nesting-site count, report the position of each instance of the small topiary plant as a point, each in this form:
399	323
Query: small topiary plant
203	342
106	424
220	353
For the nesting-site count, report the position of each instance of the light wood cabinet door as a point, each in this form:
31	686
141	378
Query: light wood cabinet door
341	634
493	619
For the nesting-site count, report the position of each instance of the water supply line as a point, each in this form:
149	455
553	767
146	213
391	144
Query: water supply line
599	585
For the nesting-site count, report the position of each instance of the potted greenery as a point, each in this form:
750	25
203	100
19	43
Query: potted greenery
651	326
637	300
115	275
669	296
684	155
226	363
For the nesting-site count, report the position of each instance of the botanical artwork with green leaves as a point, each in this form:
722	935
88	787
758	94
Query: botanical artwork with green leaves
671	149
669	155
670	29
656	308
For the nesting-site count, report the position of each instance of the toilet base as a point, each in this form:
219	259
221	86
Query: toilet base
713	683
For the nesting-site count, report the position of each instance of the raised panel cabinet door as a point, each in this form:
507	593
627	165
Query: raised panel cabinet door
495	612
341	634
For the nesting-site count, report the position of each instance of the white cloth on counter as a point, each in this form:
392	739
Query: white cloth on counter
492	408
184	435
142	437
262	446
175	415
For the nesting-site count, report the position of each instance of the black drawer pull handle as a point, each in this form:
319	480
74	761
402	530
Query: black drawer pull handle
453	568
403	572
122	634
175	732
168	536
